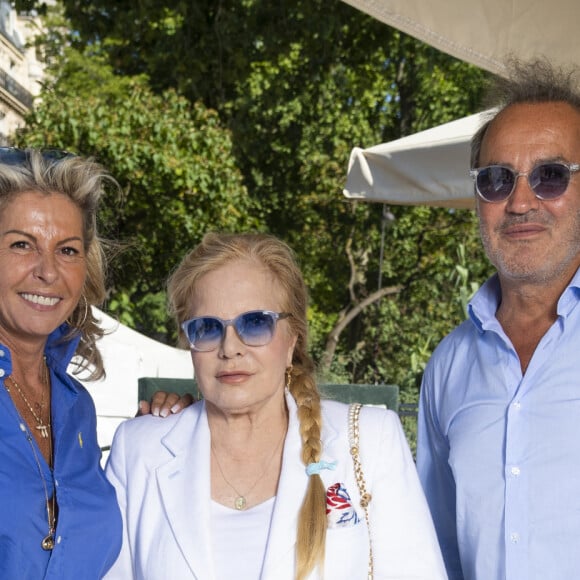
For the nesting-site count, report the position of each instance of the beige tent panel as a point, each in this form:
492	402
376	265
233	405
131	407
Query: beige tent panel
484	32
427	168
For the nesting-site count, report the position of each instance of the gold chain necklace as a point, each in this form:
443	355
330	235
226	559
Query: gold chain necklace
47	542
241	502
39	421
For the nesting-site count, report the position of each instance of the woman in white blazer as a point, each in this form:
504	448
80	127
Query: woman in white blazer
256	481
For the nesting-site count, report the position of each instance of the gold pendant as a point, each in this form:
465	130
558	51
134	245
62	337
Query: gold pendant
48	543
240	503
43	430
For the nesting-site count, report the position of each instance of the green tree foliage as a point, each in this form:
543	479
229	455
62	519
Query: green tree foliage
303	114
299	83
174	163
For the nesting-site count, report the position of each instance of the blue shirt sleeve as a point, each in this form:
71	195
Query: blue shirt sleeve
436	476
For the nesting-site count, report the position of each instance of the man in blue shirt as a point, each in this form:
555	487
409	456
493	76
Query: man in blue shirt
499	418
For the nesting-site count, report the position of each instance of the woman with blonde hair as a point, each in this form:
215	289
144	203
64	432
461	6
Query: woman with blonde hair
257	480
60	518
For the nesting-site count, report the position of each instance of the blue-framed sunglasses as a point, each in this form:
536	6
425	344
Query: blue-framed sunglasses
254	328
496	183
16	156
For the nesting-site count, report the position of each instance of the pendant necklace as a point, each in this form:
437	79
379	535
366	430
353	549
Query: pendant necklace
47	542
240	503
40	426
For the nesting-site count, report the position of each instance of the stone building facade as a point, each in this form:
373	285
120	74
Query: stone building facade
21	68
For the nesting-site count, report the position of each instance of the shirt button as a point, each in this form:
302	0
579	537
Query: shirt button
517	405
2	372
1	352
515	537
515	471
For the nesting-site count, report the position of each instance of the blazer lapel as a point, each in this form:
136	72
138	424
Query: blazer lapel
184	486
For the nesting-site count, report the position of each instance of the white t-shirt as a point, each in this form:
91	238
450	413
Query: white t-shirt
239	540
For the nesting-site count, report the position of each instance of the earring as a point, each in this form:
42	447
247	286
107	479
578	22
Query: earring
288	377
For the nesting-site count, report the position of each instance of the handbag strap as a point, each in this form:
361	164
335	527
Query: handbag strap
365	496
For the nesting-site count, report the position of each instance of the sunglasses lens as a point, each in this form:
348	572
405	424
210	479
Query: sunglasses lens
15	156
495	183
550	180
204	334
12	156
256	328
547	181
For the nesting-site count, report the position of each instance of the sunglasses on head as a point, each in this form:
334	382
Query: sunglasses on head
15	156
255	328
548	181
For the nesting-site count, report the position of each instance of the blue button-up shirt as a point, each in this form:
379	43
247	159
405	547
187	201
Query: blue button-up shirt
88	533
499	452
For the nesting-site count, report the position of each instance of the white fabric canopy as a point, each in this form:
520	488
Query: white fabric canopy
484	32
431	167
427	168
129	355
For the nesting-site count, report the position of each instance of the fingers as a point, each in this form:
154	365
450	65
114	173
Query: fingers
183	402
144	408
164	404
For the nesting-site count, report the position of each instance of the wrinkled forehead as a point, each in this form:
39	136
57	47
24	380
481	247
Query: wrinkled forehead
246	284
535	130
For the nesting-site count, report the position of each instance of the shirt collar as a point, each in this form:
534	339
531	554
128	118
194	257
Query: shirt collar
59	350
483	306
570	297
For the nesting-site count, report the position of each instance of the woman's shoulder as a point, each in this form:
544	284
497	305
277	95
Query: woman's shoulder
370	414
72	389
382	441
146	429
148	441
375	423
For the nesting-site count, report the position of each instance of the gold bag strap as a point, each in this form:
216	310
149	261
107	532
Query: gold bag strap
365	496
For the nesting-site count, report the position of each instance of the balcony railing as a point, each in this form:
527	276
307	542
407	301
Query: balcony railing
15	89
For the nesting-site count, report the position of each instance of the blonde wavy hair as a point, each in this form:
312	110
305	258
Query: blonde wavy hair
82	181
216	250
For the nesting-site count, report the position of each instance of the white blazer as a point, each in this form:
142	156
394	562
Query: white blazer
160	469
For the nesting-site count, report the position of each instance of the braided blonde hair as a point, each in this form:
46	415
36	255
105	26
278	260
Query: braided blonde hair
216	250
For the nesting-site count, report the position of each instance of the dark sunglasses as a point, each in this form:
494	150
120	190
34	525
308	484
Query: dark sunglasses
15	156
255	328
548	181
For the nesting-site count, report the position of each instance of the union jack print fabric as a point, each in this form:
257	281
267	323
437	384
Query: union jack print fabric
340	512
